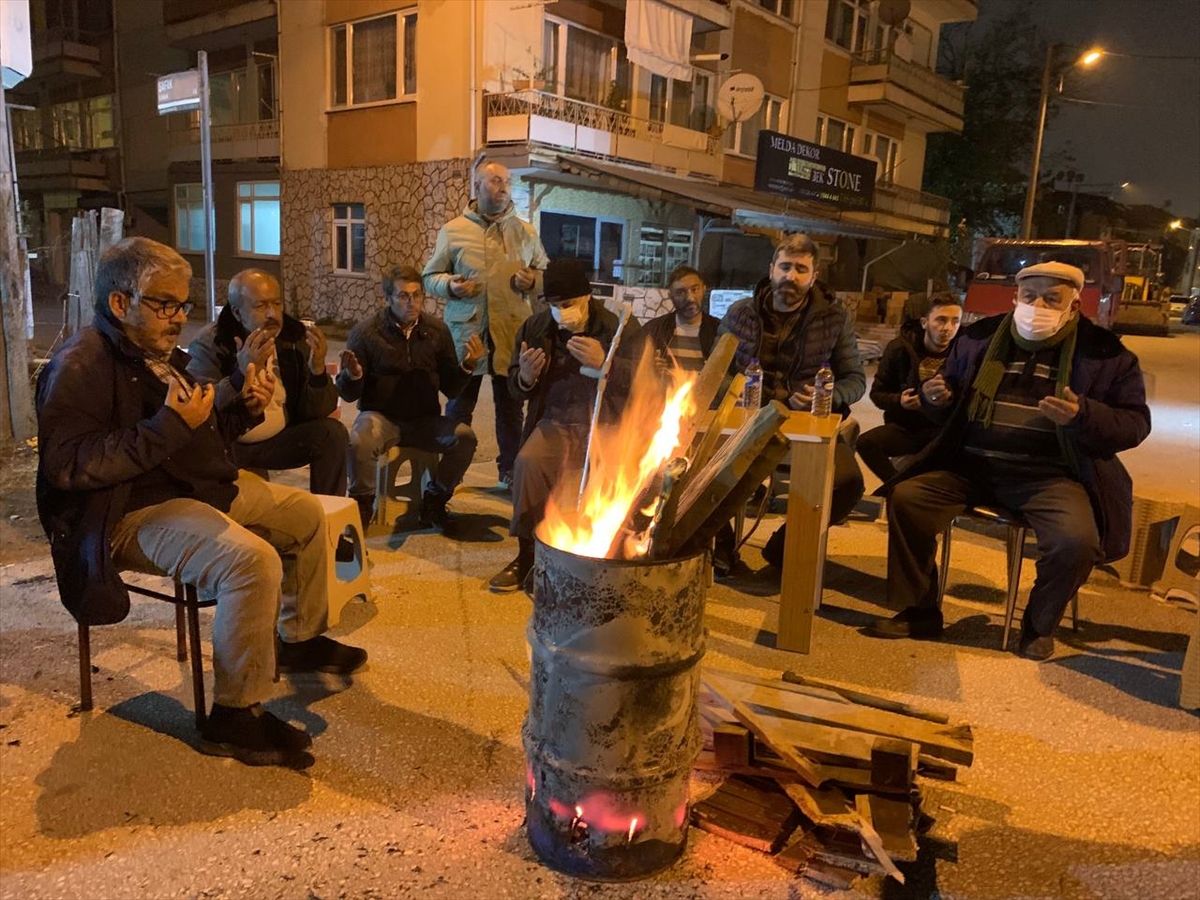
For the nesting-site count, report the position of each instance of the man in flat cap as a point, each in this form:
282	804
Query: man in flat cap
556	365
1036	405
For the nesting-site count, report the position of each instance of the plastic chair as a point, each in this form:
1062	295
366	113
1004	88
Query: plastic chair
422	465
342	519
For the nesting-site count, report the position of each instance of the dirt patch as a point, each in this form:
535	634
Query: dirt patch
21	537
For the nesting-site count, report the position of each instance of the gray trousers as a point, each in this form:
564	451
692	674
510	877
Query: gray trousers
374	434
225	557
1057	509
551	454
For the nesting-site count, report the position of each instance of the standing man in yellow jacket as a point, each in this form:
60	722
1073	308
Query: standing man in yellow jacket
487	265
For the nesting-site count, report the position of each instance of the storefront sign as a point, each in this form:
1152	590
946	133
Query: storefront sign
802	171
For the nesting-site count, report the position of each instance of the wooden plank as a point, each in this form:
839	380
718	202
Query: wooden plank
821	743
707	762
824	806
872	839
836	877
734	828
953	743
733	745
864	699
763	793
708	383
707	443
764	731
929	767
752	812
893	820
783	685
893	762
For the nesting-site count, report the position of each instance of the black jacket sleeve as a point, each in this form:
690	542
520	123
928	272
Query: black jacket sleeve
893	376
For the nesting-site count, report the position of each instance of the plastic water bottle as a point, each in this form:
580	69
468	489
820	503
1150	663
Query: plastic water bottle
823	391
752	392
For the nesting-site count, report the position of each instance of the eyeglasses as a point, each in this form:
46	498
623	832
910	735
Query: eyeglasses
405	297
164	309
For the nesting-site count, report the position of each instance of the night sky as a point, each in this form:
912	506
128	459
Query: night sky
1153	141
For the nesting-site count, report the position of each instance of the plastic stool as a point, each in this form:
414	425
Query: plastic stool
422	465
348	579
1175	579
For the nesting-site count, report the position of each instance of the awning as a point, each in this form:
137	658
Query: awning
658	38
743	206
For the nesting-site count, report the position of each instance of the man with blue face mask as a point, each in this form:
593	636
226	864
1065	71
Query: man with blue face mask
556	366
1036	405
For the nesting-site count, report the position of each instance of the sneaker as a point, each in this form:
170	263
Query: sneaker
504	482
1034	646
919	622
254	737
319	654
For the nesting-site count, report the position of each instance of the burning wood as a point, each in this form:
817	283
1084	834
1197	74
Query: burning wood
845	759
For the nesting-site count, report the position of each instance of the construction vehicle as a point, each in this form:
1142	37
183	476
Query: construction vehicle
1145	300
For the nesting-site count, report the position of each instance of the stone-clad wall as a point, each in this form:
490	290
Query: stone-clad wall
405	206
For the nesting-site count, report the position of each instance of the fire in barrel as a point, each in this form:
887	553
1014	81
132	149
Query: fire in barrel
617	631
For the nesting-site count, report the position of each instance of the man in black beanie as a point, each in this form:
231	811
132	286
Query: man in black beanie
556	365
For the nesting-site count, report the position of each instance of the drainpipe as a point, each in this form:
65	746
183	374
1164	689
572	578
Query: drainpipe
473	140
872	262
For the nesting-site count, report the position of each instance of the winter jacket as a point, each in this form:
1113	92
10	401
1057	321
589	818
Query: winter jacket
825	334
1113	416
402	376
660	330
489	253
900	369
108	445
539	331
214	361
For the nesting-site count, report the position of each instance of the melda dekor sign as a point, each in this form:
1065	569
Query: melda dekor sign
802	171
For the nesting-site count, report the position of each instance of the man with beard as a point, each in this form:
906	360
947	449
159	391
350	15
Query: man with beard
135	473
487	266
1037	403
394	365
793	325
252	330
685	337
915	356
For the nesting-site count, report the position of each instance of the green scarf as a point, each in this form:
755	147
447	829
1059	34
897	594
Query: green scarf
991	371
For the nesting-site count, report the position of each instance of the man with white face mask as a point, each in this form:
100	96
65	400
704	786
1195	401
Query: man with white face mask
556	366
1037	403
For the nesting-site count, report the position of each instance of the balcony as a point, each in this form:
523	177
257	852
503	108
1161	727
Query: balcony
884	83
559	123
905	209
218	24
66	170
61	56
240	140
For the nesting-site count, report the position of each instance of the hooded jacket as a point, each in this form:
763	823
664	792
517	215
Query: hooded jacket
107	446
489	253
213	355
1113	416
900	369
824	333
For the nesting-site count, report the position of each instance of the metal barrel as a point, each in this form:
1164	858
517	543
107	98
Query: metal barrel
612	729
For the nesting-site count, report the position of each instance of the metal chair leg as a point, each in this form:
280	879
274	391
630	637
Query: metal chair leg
85	669
1014	548
181	650
193	622
1075	611
944	565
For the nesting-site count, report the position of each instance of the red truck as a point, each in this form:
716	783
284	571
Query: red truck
993	287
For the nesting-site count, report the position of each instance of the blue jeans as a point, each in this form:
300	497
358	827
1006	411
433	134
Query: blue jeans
509	416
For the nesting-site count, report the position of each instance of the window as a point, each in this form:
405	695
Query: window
847	24
583	65
742	137
349	238
660	250
884	149
682	103
835	133
373	60
779	7
258	218
27	129
189	218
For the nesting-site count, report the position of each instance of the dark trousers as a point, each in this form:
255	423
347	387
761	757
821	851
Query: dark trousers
552	454
374	434
1057	509
320	444
879	446
509	416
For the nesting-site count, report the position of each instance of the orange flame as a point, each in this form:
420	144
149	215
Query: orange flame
625	458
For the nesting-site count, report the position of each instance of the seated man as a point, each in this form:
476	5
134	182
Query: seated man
792	325
394	365
555	365
909	361
297	431
686	336
1038	403
135	473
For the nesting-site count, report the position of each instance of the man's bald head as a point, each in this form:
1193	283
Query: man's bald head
256	300
493	188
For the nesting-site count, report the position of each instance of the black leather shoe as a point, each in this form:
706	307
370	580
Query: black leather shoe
922	623
255	737
1034	646
320	654
345	550
511	577
773	550
434	513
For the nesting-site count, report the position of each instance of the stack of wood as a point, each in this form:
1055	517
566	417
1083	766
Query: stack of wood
821	776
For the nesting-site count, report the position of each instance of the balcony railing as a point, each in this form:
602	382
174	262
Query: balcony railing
916	79
912	204
266	130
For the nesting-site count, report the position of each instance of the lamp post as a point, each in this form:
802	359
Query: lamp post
1088	59
1192	261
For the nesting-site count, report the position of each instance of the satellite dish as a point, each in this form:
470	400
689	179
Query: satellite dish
739	97
893	12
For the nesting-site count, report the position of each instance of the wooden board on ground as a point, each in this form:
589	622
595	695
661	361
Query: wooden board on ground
754	812
764	730
953	743
855	696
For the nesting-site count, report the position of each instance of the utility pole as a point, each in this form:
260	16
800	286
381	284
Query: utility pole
16	399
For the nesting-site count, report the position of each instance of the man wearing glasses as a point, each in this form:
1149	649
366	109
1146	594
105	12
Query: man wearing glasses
252	330
135	473
394	365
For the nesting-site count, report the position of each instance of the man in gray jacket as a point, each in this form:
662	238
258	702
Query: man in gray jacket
487	266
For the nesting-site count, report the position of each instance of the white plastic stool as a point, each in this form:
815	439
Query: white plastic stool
348	579
422	466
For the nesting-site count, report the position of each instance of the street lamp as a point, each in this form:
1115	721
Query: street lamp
1087	60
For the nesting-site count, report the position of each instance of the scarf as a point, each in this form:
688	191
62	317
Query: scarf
991	372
